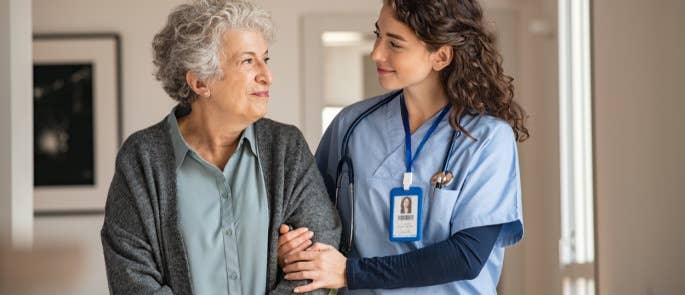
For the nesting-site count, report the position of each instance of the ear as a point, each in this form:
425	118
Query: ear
442	57
198	86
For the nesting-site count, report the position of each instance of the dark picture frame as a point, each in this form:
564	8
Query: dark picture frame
77	120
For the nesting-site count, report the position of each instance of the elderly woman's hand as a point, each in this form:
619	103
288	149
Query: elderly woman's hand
292	241
322	264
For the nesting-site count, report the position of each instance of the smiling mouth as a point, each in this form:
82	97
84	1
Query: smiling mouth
264	94
382	71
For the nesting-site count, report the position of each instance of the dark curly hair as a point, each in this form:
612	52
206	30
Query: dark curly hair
475	80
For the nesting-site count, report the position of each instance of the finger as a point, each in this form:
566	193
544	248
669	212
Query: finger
302	256
284	238
299	248
299	266
302	275
284	229
309	287
321	247
292	234
286	251
288	246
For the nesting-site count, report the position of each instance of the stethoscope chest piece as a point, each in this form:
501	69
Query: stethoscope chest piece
442	179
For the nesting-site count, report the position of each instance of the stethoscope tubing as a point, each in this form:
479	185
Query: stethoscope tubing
345	160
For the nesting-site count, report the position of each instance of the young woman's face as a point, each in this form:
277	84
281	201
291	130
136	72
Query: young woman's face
402	59
405	203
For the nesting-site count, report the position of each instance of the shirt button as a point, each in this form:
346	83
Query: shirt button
233	276
229	232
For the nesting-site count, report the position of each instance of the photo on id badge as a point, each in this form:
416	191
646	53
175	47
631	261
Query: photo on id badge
405	215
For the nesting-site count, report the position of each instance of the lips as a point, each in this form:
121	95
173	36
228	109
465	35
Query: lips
264	94
383	71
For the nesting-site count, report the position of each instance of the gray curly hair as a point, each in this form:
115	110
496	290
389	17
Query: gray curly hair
191	41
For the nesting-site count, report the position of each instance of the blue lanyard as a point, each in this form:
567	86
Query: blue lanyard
407	134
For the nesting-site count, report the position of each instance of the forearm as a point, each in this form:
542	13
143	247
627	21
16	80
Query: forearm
461	257
309	206
314	209
286	287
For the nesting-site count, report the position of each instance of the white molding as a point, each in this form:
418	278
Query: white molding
16	125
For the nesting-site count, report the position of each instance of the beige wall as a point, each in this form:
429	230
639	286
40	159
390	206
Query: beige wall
530	266
343	68
145	102
137	21
535	269
640	137
76	233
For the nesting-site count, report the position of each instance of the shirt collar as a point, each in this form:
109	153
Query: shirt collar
249	136
181	147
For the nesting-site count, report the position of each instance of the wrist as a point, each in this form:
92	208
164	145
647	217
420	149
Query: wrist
344	272
351	264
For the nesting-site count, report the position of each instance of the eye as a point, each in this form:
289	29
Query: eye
246	61
378	35
266	60
394	45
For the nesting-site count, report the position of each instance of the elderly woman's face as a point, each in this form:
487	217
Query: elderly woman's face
243	92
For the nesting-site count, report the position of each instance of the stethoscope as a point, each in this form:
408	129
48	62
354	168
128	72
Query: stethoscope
439	180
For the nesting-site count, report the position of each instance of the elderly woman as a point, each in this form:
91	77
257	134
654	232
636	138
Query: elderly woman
196	201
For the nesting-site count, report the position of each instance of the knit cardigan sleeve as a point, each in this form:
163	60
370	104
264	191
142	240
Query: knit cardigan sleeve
133	267
299	196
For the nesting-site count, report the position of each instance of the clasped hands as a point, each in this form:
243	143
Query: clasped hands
323	264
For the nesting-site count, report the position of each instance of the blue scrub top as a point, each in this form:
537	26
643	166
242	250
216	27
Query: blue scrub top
486	189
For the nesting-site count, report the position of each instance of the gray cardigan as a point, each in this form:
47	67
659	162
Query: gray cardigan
143	248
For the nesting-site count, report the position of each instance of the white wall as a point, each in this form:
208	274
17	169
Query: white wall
639	102
16	138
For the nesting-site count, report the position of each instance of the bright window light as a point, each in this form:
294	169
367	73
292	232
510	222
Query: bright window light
576	247
327	116
341	38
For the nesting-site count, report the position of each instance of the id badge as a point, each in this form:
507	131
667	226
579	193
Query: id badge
405	214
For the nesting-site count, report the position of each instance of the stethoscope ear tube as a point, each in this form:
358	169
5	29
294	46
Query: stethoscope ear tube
444	177
346	160
449	151
349	245
350	129
341	164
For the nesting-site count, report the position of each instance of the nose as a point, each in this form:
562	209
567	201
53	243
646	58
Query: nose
264	75
377	55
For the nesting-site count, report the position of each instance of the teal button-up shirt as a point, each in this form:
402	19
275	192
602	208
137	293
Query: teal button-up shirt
223	217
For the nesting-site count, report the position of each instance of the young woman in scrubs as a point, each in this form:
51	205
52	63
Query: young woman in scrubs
455	104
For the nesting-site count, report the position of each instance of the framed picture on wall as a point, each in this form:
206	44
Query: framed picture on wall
76	120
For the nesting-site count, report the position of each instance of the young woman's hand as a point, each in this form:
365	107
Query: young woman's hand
321	263
292	241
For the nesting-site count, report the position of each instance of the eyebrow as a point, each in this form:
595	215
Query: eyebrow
391	35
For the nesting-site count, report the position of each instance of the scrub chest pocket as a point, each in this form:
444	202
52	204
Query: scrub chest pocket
439	212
